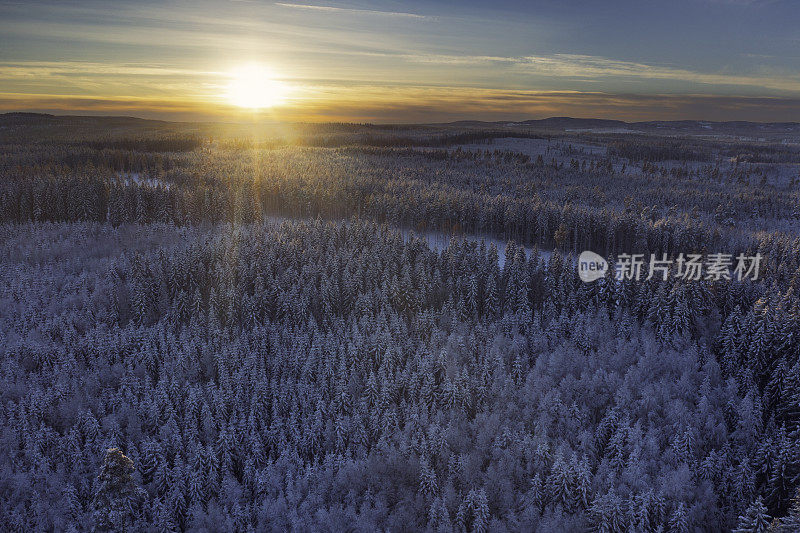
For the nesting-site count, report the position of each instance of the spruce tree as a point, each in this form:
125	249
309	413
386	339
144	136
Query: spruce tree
117	496
755	519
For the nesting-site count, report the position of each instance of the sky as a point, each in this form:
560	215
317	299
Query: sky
411	61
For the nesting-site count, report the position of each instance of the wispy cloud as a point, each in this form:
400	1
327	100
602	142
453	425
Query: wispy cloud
332	9
433	104
36	69
588	67
343	60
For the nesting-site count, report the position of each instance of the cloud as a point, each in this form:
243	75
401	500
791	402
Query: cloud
170	109
37	69
432	104
588	67
151	89
332	9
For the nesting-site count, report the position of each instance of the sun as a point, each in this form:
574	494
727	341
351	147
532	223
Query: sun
255	87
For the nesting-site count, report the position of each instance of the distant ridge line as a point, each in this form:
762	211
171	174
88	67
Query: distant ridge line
560	122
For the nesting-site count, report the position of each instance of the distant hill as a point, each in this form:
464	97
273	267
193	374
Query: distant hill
552	124
575	123
695	127
22	119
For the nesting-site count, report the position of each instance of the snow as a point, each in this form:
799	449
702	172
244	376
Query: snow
136	178
438	241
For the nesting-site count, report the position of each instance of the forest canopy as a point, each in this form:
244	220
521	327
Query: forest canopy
201	331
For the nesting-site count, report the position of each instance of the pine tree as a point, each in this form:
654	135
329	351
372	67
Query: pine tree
116	497
534	496
492	307
607	514
783	470
559	482
583	482
439	517
427	479
755	519
473	513
679	519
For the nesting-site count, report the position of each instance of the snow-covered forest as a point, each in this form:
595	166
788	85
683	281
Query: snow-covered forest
204	332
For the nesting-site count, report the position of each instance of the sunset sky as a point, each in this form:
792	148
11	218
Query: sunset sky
404	61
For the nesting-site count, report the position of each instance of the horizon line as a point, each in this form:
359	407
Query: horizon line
68	114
